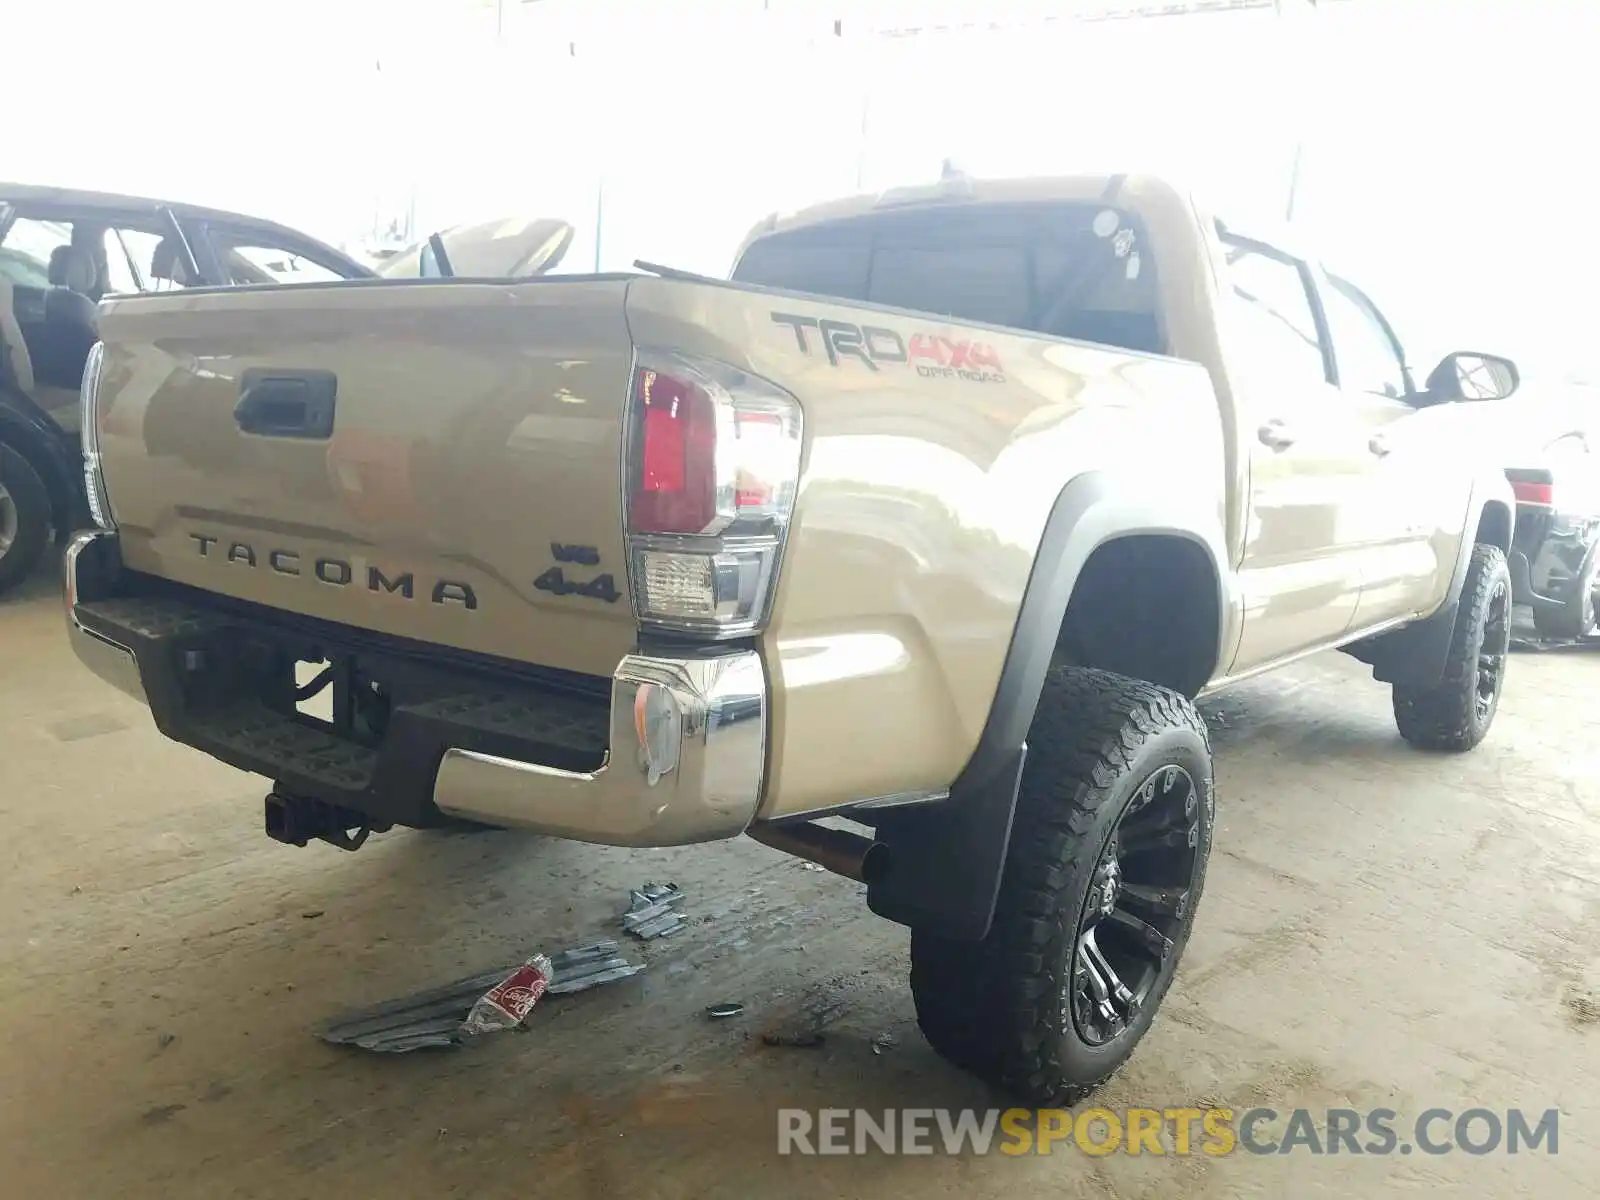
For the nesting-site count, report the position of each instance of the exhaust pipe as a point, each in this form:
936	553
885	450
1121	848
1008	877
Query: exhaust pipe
838	850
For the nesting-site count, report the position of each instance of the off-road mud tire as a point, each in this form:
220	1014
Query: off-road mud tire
998	1008
1447	716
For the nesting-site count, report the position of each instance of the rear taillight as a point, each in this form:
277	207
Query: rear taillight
1538	492
713	465
676	489
89	433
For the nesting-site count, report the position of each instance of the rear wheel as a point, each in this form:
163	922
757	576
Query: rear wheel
1107	859
24	517
1455	713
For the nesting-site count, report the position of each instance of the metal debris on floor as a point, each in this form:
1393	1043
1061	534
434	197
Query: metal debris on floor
584	967
884	1041
427	1019
811	866
449	1016
652	911
719	1012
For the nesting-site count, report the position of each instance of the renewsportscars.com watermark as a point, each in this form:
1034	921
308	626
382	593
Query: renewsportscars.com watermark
1166	1131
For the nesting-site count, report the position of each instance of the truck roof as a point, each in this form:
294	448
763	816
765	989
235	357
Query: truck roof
964	189
29	197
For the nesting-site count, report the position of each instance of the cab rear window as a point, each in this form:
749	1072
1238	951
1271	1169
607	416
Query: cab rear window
1067	270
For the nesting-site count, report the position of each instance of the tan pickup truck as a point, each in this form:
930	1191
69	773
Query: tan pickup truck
935	518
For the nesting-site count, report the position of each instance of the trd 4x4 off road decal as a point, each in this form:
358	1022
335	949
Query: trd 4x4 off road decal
933	355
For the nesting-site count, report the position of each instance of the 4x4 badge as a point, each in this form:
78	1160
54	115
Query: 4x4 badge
601	587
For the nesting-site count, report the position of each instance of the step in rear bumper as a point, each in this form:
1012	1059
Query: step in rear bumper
683	758
686	754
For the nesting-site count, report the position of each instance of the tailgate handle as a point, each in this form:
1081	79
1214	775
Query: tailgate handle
279	403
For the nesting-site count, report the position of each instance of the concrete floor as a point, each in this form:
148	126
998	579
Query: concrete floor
1380	928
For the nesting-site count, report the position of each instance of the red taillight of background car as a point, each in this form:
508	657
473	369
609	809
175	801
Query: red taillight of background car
712	472
1533	491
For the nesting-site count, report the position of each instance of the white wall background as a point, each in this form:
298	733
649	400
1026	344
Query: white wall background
1448	163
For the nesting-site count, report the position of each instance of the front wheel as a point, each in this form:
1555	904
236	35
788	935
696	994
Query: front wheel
1455	713
1107	859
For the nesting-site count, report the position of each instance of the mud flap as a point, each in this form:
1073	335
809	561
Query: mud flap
1415	655
946	860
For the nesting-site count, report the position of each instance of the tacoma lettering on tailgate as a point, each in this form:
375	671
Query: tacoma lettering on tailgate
336	572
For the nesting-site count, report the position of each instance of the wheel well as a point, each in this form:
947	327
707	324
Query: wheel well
22	440
1145	606
1494	525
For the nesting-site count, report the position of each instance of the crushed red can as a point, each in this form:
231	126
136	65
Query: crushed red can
508	1003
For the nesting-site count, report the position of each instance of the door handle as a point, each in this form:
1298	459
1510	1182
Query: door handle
1276	434
286	403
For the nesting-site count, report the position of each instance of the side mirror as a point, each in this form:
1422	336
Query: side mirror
1469	375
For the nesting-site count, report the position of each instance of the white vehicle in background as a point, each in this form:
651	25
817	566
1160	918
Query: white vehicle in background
514	248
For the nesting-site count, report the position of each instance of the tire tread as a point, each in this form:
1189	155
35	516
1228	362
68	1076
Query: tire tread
1443	717
992	1007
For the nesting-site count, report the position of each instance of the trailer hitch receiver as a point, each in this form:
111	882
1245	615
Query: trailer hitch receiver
296	820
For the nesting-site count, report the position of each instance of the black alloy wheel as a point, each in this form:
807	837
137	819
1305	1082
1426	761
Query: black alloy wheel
1136	904
1492	654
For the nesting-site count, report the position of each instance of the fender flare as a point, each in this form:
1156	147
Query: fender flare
1416	654
948	857
26	428
1490	488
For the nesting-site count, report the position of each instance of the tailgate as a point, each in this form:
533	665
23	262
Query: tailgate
474	447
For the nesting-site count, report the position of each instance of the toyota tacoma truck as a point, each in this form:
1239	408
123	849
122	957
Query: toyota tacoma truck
906	550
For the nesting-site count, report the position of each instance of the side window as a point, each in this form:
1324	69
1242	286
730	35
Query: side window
119	264
247	260
154	258
1367	357
25	257
1072	269
826	266
1273	315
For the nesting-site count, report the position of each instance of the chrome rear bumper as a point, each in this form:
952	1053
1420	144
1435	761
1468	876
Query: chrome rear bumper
685	764
112	662
683	761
